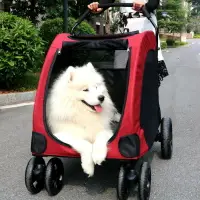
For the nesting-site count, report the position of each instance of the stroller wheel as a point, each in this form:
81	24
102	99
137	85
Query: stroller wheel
144	187
123	187
34	175
54	176
166	138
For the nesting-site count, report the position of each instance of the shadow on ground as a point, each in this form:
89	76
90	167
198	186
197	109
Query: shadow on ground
105	177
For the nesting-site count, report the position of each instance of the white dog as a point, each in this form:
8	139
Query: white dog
79	113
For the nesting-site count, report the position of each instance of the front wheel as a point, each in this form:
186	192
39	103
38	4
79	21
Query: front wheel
144	187
34	175
123	186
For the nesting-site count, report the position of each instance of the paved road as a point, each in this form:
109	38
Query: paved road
177	179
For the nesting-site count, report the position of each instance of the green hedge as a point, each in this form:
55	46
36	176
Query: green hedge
196	35
51	27
21	49
163	45
170	42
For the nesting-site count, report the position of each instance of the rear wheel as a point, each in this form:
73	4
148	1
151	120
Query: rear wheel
166	138
54	176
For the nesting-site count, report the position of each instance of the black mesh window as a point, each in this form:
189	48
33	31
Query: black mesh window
110	58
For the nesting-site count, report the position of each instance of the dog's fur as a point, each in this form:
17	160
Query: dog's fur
74	122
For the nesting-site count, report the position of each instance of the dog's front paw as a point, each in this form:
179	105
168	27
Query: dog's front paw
88	168
99	154
86	160
87	164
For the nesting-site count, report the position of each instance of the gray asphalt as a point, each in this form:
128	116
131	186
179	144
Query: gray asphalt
176	179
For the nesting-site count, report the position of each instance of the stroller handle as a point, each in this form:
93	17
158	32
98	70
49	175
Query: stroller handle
88	11
115	5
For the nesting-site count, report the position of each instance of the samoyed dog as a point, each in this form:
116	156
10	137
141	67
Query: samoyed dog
80	112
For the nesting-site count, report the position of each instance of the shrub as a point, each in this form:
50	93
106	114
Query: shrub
21	48
51	27
163	45
170	42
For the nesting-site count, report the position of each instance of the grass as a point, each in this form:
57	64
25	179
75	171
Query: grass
197	36
179	43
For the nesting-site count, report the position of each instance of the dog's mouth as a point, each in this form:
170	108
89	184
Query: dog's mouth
97	108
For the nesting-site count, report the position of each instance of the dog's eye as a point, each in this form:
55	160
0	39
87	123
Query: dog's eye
85	90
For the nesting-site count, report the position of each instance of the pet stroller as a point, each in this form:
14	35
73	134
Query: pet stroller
129	65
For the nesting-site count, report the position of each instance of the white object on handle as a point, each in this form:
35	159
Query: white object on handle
128	9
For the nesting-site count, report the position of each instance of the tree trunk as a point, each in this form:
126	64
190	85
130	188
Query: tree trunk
1	6
33	14
101	20
107	21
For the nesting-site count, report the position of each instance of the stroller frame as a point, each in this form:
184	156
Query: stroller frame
134	170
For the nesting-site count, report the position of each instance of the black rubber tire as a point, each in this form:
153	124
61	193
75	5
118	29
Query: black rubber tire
166	138
54	176
144	187
34	175
123	186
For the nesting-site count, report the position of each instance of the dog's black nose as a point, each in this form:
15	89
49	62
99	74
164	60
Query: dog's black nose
101	98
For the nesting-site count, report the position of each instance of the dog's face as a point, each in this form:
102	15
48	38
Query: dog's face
88	86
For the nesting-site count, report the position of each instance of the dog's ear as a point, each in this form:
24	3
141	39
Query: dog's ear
70	74
90	66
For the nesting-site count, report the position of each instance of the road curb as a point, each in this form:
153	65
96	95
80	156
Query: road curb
15	98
